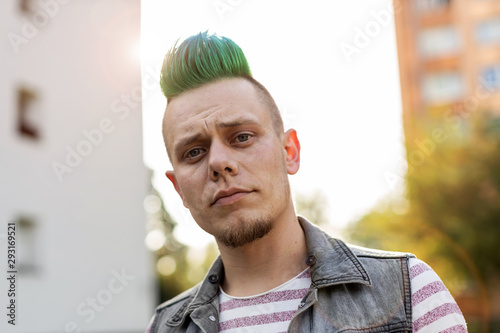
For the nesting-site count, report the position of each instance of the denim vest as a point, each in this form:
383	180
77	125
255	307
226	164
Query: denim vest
353	289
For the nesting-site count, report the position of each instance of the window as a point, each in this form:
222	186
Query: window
27	114
26	245
431	5
439	42
488	32
490	76
25	6
443	87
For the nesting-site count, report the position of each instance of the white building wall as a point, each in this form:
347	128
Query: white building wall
82	61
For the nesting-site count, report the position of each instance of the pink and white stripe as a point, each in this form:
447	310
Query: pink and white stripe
434	309
268	312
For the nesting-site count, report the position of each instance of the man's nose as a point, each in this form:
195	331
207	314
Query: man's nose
222	161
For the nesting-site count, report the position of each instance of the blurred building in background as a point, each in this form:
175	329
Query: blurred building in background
72	175
449	61
449	58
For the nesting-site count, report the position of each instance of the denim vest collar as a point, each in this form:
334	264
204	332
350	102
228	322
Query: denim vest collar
323	251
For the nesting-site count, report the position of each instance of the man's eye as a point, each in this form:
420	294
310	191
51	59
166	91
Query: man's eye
243	137
193	153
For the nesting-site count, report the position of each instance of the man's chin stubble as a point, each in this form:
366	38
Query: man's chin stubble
244	232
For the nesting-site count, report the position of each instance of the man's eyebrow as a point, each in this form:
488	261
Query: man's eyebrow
185	142
237	122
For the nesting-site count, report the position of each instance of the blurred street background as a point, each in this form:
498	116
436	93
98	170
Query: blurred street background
396	104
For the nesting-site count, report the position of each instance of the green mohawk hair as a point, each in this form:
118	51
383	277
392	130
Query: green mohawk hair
200	59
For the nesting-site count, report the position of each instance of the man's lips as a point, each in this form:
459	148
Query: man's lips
230	196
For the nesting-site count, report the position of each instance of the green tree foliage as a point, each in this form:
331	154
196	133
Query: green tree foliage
453	219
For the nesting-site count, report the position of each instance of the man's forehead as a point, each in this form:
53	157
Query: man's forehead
216	118
221	101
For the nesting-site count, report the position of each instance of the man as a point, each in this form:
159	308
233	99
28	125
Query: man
276	272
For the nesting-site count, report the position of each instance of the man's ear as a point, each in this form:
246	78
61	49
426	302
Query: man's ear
292	147
171	176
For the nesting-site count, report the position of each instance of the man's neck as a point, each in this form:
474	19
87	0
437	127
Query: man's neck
266	263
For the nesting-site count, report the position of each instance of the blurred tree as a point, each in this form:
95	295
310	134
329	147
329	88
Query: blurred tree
452	221
178	267
312	207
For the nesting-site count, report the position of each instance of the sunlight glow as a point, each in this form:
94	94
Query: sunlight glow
155	239
166	265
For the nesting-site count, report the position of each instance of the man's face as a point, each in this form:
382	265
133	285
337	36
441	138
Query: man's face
230	166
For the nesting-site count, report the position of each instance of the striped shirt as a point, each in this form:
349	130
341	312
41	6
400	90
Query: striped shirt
434	309
268	312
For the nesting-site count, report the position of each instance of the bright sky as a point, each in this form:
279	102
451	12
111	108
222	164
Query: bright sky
332	68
